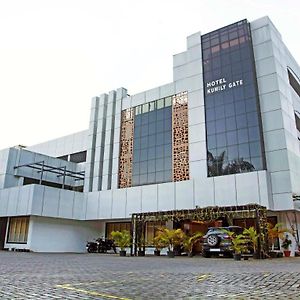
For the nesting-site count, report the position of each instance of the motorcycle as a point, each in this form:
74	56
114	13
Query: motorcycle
101	245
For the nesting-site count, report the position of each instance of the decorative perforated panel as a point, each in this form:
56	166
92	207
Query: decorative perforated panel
126	149
180	137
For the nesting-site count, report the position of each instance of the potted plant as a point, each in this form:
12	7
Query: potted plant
158	243
190	241
122	239
141	244
252	236
238	244
286	246
275	232
172	238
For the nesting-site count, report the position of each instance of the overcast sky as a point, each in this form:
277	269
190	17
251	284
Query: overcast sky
56	55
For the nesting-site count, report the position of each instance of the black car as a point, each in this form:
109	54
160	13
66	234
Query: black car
217	241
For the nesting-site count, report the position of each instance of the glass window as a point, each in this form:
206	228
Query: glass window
145	108
220	112
220	126
242	136
231	138
255	149
168	163
78	157
152	106
152	145
117	227
144	130
232	152
168	101
240	107
254	134
159	176
159	166
144	154
160	126
160	103
244	151
168	149
160	139
18	230
143	179
151	140
152	117
230	123
151	153
138	110
232	114
135	180
151	165
144	142
159	151
151	178
159	114
221	140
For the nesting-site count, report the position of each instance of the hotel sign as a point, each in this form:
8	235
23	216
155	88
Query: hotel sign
221	84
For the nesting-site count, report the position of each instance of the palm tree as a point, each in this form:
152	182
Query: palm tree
215	164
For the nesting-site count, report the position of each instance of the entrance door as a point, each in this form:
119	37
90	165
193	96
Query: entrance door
3	223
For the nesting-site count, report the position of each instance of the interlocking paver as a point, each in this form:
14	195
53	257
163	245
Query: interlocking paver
99	276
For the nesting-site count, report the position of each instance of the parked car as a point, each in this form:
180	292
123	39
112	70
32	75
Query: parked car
217	241
101	245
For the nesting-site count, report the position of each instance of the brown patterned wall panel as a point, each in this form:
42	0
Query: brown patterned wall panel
180	137
126	148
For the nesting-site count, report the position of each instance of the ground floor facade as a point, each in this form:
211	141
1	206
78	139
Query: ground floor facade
45	234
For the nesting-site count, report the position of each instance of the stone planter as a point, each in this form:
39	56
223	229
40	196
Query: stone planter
237	256
171	254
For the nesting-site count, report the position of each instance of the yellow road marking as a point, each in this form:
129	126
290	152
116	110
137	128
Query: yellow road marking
203	277
92	282
91	293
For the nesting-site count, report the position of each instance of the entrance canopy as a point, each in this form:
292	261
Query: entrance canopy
210	213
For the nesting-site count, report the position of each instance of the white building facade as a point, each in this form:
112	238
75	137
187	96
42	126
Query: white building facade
225	132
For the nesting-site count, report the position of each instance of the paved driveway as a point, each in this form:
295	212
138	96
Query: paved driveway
108	276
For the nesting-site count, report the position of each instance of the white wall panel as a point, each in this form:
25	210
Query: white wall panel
51	202
92	205
247	188
66	204
4	196
281	182
225	190
204	192
198	169
184	194
197	133
166	196
13	201
25	193
105	208
149	198
37	198
134	200
119	203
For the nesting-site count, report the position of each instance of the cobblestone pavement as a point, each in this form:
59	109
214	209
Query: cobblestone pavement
108	276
